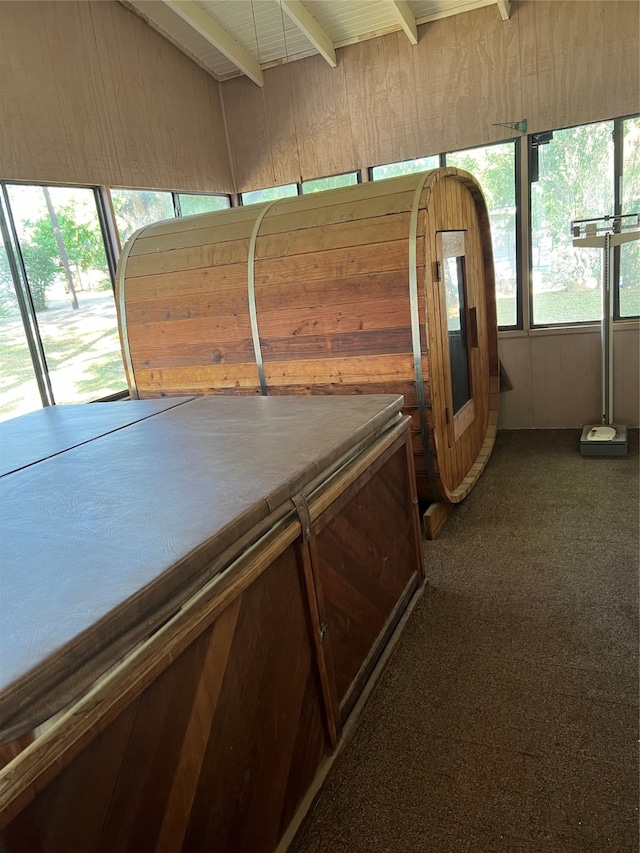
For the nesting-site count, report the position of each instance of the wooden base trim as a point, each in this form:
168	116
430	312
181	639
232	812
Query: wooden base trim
434	518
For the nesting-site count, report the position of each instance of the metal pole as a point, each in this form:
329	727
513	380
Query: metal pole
607	331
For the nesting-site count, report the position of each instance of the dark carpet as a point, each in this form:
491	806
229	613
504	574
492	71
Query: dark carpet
507	719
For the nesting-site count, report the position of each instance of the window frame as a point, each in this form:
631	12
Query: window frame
262	189
177	204
356	172
518	326
371	169
618	156
12	245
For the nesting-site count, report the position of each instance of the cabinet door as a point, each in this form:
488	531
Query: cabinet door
366	568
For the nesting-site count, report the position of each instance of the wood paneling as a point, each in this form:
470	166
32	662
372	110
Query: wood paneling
281	128
372	72
551	62
556	379
55	126
321	118
91	94
579	61
626	376
246	119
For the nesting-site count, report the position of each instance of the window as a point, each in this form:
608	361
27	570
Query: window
575	180
133	209
190	203
451	252
629	286
19	392
494	167
269	194
319	184
61	250
406	167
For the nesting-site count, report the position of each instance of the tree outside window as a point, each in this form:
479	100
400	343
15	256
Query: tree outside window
493	166
630	253
576	181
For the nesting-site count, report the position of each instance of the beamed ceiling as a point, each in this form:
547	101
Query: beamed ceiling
232	37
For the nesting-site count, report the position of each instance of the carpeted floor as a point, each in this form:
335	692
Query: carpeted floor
507	719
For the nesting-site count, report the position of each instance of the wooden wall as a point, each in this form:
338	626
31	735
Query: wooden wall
555	63
556	378
91	94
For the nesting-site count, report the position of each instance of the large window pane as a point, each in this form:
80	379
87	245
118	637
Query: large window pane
134	209
66	265
630	253
406	167
19	392
191	203
269	194
331	183
575	182
494	168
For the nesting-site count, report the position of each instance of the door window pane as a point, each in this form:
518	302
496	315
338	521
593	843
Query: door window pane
134	209
269	194
19	391
406	167
191	203
329	183
575	182
630	253
494	168
452	254
61	244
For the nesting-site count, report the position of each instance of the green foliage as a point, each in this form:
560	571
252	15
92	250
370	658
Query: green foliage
406	167
7	292
575	182
630	254
192	204
493	168
42	270
134	209
331	183
269	194
83	245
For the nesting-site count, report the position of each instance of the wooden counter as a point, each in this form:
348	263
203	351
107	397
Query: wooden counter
198	595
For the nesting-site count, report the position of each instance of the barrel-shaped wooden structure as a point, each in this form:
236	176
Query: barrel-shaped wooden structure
383	287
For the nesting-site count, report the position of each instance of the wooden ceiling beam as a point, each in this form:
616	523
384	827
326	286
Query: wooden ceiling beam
219	38
406	19
312	30
505	9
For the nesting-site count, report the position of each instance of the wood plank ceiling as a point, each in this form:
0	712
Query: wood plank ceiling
232	37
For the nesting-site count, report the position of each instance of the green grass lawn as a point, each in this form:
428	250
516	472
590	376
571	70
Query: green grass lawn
565	307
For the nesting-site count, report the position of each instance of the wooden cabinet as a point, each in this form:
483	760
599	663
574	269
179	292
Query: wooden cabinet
267	620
